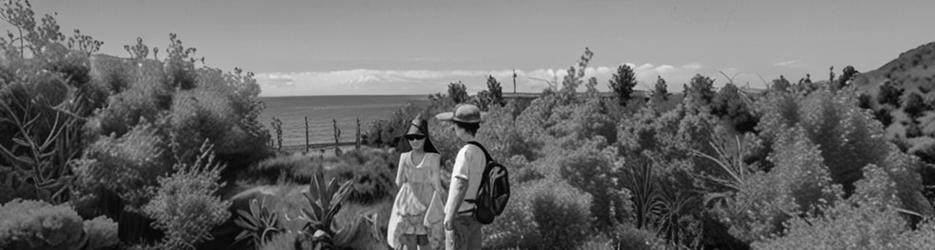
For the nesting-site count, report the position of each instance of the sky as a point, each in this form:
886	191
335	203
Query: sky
415	47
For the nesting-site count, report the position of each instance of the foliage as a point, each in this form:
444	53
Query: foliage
492	96
127	165
102	233
781	85
574	78
699	93
914	106
325	201
889	94
732	105
593	171
185	206
501	136
797	183
543	214
627	236
37	37
32	224
259	224
847	74
40	145
282	241
622	83
660	91
370	173
869	219
38	225
457	92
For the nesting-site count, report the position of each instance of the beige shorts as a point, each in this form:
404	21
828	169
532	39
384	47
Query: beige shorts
466	234
414	239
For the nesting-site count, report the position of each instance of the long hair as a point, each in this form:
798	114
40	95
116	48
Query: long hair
423	127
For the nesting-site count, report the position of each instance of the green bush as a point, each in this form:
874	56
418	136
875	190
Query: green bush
869	219
501	136
31	224
127	165
39	225
593	171
543	214
185	206
145	98
370	174
797	184
626	236
732	105
102	233
849	139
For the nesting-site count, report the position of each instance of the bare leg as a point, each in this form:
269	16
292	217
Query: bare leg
408	242
425	247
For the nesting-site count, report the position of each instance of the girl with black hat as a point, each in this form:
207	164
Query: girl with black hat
418	180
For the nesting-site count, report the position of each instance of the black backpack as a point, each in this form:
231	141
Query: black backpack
493	192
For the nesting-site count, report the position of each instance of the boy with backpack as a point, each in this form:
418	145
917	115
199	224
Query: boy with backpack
479	188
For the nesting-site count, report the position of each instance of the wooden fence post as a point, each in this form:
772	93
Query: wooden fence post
277	126
357	137
337	137
306	135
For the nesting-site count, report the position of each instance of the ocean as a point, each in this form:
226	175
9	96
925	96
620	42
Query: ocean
321	110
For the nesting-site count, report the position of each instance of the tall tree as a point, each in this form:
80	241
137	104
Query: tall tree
457	92
575	76
622	83
495	90
661	90
700	91
493	95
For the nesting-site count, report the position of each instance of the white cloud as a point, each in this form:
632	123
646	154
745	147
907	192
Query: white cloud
790	64
367	81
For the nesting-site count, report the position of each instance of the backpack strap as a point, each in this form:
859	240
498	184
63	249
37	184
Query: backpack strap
486	155
487	160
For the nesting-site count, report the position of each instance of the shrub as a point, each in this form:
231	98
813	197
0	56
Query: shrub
127	165
370	175
627	236
289	168
660	91
102	233
326	200
867	220
889	94
145	97
38	225
185	206
591	119
731	105
764	200
592	171
545	214
492	96
699	93
501	136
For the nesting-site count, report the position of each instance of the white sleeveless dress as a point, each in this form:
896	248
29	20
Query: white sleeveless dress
418	184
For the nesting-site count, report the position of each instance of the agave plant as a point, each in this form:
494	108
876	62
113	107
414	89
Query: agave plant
260	224
325	201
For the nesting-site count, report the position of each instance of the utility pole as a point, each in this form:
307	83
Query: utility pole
514	81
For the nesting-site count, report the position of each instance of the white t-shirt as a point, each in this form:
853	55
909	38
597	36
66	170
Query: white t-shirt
469	164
